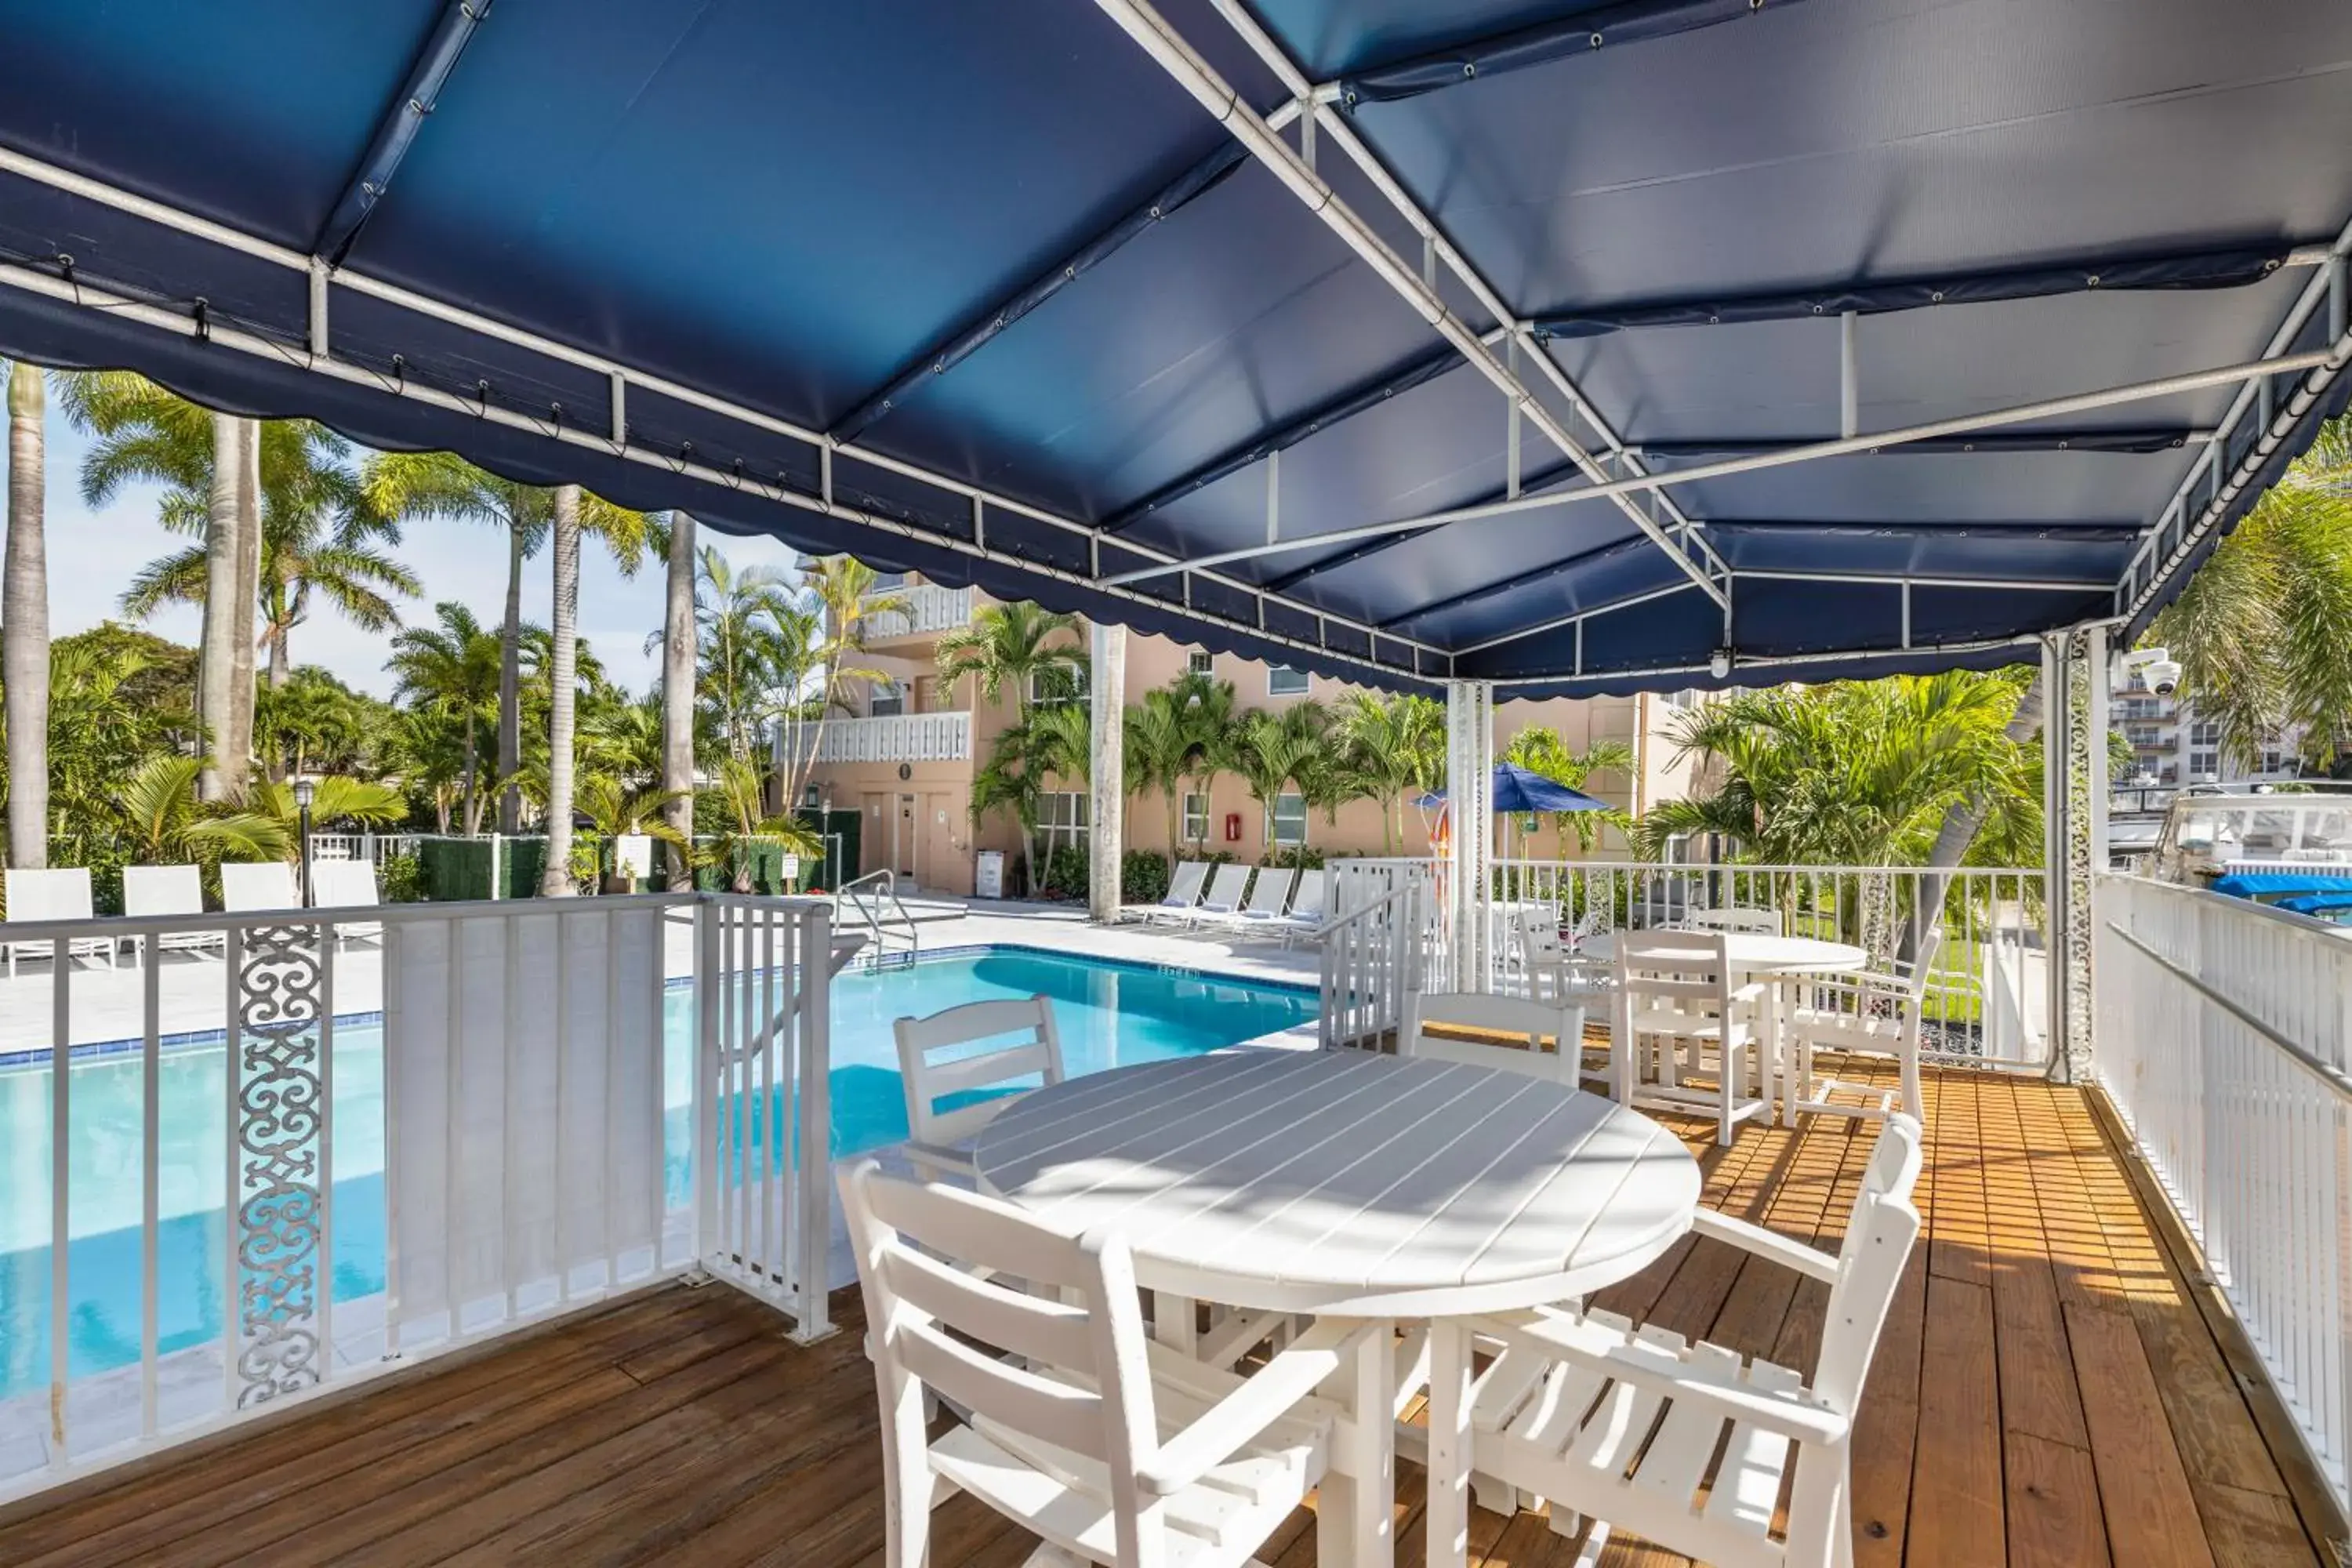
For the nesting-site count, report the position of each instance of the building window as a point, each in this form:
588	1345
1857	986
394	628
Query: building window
2204	767
1281	680
886	582
1290	819
1059	684
889	699
1196	818
1200	661
1062	819
2205	732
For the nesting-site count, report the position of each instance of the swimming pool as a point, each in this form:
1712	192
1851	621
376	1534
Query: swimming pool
1109	1015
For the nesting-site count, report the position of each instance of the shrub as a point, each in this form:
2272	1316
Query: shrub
1298	857
1066	873
398	880
1142	877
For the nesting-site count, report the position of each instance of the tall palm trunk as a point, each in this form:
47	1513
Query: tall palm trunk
510	690
1965	816
677	696
470	780
555	881
24	636
245	608
216	662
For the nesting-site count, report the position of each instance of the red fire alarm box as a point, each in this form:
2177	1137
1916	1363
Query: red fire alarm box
1233	828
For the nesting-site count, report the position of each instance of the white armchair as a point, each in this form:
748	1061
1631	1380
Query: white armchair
1867	1013
1624	1425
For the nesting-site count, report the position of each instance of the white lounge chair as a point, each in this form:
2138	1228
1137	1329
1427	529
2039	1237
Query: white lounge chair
1184	885
1625	1424
247	887
1071	1424
36	897
1262	910
1225	894
1309	907
347	885
155	891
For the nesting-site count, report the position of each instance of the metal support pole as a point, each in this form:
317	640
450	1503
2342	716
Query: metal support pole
1273	495
1470	811
2074	782
1849	390
1105	825
1510	427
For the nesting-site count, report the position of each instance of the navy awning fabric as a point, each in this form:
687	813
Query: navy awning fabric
982	292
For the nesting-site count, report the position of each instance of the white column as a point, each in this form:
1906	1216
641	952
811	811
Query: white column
2074	810
1470	807
1106	810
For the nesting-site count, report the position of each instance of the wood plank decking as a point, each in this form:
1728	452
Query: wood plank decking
2049	1392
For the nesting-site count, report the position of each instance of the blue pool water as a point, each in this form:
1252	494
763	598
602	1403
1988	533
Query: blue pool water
1109	1015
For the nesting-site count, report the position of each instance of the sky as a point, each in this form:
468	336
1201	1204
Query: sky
92	554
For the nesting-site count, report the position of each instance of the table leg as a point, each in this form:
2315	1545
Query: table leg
1356	1512
1448	1515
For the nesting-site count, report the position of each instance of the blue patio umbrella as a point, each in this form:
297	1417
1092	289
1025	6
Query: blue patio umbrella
1521	791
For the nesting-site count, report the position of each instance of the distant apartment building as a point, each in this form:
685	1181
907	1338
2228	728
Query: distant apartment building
905	753
2171	745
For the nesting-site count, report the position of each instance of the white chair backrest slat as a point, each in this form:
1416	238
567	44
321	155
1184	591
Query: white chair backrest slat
161	890
1531	1022
257	885
1674	967
1879	1240
1271	890
1764	922
1184	884
343	884
57	894
927	1081
1306	903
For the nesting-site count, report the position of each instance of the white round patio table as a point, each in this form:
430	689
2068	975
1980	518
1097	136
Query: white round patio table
1354	1185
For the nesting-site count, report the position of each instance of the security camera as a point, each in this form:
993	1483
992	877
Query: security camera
2153	667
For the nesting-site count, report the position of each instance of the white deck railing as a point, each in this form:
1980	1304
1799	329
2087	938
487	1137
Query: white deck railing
2224	1037
929	608
1381	942
1988	999
896	738
333	1142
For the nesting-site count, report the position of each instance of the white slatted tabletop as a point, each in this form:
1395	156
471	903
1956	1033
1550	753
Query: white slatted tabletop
1756	952
1349	1182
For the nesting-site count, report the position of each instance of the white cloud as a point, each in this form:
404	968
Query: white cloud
93	553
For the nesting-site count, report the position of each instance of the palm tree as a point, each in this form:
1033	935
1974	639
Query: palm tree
677	695
1540	750
1156	747
845	601
1271	751
1011	645
443	485
2264	631
617	811
1210	718
1397	747
757	645
454	670
166	823
335	799
24	625
740	790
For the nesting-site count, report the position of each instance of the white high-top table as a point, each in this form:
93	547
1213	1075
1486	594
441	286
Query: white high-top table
1352	1185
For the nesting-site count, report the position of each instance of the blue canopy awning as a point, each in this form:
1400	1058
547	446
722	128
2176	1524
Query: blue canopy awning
2281	884
1519	792
988	292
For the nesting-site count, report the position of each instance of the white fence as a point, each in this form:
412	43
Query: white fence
1382	940
373	847
1988	996
929	608
2224	1035
269	1154
895	738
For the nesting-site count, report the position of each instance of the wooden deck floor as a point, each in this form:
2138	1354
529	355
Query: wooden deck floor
2048	1393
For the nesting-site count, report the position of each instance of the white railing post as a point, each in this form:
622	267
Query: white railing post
709	1080
812	1176
1469	804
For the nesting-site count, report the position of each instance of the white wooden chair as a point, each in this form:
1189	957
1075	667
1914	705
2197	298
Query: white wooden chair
249	887
940	1135
345	885
1736	918
1073	1423
1518	1017
159	891
1624	1424
1676	999
59	894
1184	891
1868	1013
1226	885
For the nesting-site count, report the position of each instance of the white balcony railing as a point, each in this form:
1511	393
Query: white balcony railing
1988	996
927	607
2224	1035
898	738
322	1145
